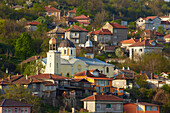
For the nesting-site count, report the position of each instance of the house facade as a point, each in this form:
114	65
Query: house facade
32	26
103	104
141	107
126	43
167	38
12	106
51	11
82	19
119	32
76	34
72	13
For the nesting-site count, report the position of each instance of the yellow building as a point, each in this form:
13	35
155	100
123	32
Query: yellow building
70	64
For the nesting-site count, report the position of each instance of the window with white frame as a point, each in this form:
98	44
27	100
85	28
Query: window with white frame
6	110
115	30
16	110
9	110
64	51
22	110
26	110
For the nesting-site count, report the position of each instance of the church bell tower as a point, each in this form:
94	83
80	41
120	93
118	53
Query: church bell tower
53	58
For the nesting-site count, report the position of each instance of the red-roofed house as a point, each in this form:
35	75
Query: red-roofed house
13	106
119	32
101	82
167	38
152	34
150	22
32	26
103	104
76	34
143	46
82	19
126	43
72	13
51	11
141	107
103	36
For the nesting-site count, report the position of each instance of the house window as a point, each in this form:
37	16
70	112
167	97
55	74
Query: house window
49	13
107	69
148	108
50	64
16	110
140	50
71	52
34	86
97	105
76	34
140	108
115	36
115	31
64	51
54	13
155	108
22	110
108	105
26	110
6	110
118	107
9	110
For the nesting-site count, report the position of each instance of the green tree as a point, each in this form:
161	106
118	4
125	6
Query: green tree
24	47
42	27
23	94
34	67
119	53
160	29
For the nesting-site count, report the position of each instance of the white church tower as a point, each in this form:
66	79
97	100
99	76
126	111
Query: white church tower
53	58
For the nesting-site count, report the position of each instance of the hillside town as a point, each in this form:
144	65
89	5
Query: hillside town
80	56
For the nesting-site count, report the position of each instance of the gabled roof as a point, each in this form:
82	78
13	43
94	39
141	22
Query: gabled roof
102	98
13	103
151	17
13	78
76	28
51	9
117	26
167	36
89	74
152	32
129	41
50	76
101	32
30	59
148	104
69	19
72	11
58	30
34	23
5	82
145	43
80	80
81	17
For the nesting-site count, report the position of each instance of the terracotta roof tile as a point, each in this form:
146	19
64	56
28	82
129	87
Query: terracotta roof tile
150	17
72	11
145	43
51	9
57	30
5	82
76	28
118	26
129	41
81	17
13	103
13	78
34	23
101	32
69	19
102	98
50	76
148	104
167	36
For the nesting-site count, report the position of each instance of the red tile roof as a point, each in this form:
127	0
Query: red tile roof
34	23
101	32
100	78
50	76
150	17
5	82
81	17
76	28
89	74
72	11
84	22
13	103
102	98
145	43
80	80
51	9
69	19
30	59
148	104
13	78
129	41
118	26
167	36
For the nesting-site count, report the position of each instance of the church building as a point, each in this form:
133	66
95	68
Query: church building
62	59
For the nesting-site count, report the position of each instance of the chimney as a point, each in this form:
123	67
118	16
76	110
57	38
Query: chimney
145	38
26	77
123	68
123	75
128	68
151	75
30	79
17	74
140	39
102	93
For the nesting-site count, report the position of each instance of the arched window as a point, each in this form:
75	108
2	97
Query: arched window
107	69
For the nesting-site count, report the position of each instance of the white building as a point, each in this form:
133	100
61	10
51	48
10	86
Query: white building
143	46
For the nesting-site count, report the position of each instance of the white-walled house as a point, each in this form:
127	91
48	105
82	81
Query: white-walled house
143	46
103	104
